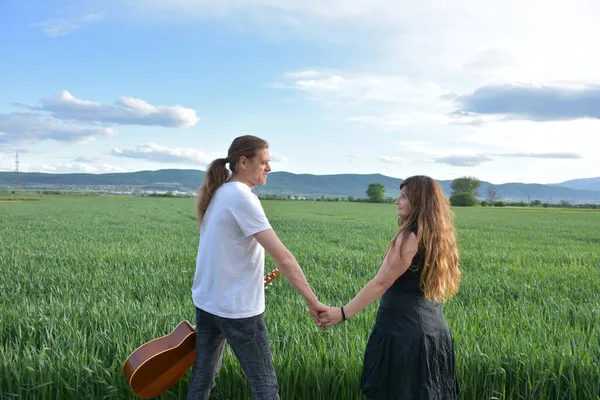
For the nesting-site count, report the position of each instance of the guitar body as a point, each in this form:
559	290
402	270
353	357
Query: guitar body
154	367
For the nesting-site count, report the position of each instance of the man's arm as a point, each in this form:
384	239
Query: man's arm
289	267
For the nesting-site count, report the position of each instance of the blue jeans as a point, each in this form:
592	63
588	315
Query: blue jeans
249	340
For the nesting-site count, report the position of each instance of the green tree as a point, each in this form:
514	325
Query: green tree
351	198
376	192
465	184
464	199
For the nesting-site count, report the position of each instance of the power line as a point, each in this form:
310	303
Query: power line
17	170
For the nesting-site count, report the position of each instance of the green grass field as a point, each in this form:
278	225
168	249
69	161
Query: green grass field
86	281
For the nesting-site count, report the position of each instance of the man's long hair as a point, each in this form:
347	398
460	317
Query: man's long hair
217	173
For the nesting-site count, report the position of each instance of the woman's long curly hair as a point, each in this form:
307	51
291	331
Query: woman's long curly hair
431	213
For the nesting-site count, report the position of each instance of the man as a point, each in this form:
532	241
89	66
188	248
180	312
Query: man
228	287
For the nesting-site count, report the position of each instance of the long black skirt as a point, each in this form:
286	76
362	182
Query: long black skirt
410	352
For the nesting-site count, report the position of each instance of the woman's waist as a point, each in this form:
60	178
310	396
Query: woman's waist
407	301
404	285
403	312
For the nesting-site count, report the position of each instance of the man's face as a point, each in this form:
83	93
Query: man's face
257	168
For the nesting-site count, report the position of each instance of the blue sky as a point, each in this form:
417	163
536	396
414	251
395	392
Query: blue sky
502	91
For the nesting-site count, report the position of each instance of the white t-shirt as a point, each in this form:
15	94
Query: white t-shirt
229	279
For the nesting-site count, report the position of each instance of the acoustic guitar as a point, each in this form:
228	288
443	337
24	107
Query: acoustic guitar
154	367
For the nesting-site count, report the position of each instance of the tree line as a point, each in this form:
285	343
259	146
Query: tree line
465	191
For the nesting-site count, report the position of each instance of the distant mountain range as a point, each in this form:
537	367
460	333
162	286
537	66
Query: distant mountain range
285	183
582	184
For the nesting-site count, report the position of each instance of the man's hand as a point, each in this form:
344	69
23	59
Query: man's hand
331	317
315	309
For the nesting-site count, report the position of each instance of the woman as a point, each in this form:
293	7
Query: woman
410	352
228	288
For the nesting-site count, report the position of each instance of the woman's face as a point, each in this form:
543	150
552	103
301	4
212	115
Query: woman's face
404	206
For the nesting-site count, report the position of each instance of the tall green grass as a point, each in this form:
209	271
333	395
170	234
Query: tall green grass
86	281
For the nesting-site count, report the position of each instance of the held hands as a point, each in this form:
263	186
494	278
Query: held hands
331	317
315	309
324	316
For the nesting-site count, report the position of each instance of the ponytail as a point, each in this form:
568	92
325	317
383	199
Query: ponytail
214	177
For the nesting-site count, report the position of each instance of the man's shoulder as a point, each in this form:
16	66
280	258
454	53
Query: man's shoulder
241	190
231	189
232	193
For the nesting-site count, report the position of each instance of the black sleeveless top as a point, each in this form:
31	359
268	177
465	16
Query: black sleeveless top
409	281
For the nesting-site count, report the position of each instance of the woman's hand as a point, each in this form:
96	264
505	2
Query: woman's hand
331	317
315	309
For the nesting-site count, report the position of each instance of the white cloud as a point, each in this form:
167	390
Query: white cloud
423	147
383	100
80	164
278	158
395	120
577	137
565	156
527	40
416	51
489	60
125	111
406	57
65	168
30	128
463	160
309	73
75	168
88	159
25	128
65	26
518	151
470	43
393	160
162	154
463	151
349	87
289	13
354	157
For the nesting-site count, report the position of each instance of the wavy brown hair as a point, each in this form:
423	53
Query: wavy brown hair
431	213
217	173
